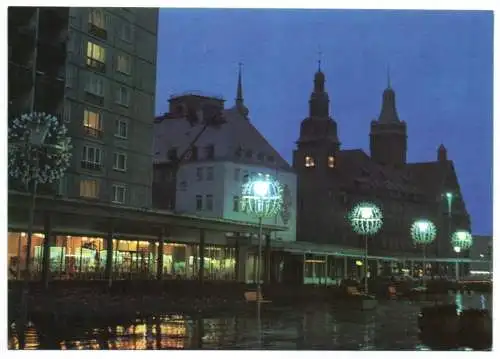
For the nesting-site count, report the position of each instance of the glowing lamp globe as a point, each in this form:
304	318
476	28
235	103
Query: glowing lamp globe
366	218
262	196
423	231
461	239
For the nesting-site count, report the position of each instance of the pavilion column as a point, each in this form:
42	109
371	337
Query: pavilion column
108	274
201	269
267	254
241	262
47	229
236	258
345	268
159	255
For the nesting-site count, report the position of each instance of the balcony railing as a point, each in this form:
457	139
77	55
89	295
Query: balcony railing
92	132
96	65
91	165
97	31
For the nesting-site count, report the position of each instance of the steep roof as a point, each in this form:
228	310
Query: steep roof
231	140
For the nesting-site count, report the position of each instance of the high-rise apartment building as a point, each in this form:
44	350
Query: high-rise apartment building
96	69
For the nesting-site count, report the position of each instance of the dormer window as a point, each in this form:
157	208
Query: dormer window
331	161
309	162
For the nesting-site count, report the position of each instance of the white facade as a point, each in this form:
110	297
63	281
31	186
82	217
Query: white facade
217	187
210	185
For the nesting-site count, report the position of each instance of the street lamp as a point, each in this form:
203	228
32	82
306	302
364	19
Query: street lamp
423	232
262	197
366	219
39	153
461	240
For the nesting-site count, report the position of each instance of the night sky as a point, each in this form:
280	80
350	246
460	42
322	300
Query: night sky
441	67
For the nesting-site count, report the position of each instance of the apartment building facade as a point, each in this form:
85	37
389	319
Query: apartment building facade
96	69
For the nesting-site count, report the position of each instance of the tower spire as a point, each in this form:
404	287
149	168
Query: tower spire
239	102
319	60
239	90
388	76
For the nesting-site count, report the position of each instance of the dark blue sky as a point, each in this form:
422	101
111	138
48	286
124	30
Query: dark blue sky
441	66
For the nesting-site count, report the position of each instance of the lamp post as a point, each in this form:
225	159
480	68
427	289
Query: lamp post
366	219
423	232
262	197
39	153
461	240
449	201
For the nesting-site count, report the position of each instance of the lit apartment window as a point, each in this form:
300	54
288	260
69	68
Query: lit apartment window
199	174
121	128
120	161
309	161
96	57
123	96
91	157
92	123
210	173
237	174
236	203
95	85
89	188
209	202
123	64
199	202
119	192
331	161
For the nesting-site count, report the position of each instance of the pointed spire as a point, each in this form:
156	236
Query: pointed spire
388	114
239	90
319	60
239	102
388	76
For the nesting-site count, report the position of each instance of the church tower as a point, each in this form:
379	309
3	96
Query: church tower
315	163
388	140
318	143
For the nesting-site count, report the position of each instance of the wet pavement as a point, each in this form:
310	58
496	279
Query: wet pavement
392	326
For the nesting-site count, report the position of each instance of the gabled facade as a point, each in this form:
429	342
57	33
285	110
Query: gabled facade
208	180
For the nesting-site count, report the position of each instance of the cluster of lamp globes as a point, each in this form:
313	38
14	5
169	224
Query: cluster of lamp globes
366	219
262	196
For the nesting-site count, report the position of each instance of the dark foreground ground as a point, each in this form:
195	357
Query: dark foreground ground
315	326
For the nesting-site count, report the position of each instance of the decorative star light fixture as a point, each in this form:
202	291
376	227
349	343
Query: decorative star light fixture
366	218
423	231
461	239
261	196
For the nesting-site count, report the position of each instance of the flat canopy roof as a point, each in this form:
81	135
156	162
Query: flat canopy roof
119	214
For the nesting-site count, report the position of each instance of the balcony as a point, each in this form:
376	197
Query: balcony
90	165
92	132
96	65
97	31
